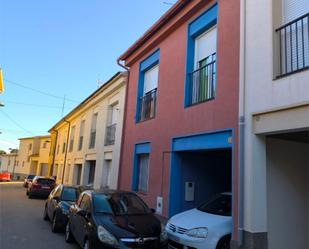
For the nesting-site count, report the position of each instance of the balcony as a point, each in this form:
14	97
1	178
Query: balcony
293	47
110	135
147	105
203	84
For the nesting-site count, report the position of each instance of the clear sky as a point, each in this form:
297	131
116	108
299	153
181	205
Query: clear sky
61	47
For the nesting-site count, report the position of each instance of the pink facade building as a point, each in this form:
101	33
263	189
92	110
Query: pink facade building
180	138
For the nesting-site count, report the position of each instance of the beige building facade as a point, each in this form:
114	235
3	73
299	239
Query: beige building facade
274	124
86	142
33	155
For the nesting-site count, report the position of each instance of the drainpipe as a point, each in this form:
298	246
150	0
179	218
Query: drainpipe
66	149
14	166
241	120
54	154
124	119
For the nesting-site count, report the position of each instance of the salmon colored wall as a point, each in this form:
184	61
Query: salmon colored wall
172	119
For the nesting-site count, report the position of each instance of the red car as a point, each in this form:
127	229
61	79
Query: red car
40	187
5	177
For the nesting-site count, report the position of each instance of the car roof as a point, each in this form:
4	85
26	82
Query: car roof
44	177
106	191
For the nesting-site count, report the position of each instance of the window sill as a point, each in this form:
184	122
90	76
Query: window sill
202	102
291	73
142	121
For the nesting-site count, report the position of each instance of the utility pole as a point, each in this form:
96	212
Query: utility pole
63	103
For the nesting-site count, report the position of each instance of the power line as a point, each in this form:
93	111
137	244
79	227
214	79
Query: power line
19	131
15	122
35	105
39	91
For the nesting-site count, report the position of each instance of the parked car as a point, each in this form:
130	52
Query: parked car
114	219
58	204
28	179
207	227
5	177
40	187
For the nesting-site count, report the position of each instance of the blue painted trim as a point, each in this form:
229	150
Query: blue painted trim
202	141
145	65
202	23
140	148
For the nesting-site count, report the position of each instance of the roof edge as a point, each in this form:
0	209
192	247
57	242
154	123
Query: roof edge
178	6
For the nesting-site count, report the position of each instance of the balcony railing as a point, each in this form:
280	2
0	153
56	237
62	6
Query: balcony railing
147	105
110	134
293	39
203	84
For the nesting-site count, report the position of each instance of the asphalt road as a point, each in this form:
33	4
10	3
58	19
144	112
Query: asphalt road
22	224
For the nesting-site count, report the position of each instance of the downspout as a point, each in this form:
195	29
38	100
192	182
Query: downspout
241	119
124	120
14	166
54	154
66	149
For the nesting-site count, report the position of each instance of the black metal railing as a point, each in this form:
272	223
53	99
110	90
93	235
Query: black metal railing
203	84
147	105
293	46
110	134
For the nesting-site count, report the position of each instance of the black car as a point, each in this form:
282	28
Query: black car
114	219
58	204
40	187
28	179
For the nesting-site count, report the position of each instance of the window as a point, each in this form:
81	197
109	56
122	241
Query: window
106	173
69	194
93	131
141	168
9	162
63	146
91	172
23	164
58	148
72	139
293	37
111	125
147	87
81	135
200	85
44	145
30	146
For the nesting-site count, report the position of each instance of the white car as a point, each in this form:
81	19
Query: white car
207	227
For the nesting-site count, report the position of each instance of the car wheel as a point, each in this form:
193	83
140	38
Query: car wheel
86	244
30	195
224	243
27	192
45	216
55	226
68	234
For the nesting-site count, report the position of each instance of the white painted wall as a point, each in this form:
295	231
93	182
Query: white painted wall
262	93
114	94
288	198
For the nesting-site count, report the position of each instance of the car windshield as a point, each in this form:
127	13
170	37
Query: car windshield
69	194
120	204
45	181
221	205
30	177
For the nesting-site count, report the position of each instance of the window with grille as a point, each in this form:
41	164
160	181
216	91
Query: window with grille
93	131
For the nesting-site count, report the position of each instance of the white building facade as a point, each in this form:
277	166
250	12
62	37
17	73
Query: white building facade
274	121
86	142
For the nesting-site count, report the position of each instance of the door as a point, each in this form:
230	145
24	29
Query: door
52	203
81	220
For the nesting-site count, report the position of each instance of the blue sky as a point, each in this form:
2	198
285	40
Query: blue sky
62	48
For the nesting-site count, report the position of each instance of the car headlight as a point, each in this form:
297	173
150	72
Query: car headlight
106	237
200	232
163	235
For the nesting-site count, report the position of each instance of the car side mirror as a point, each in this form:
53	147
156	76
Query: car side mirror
153	210
82	213
56	198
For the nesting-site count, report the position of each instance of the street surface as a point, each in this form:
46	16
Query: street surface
22	224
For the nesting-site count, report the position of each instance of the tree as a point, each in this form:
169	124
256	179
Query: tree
2	152
13	150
